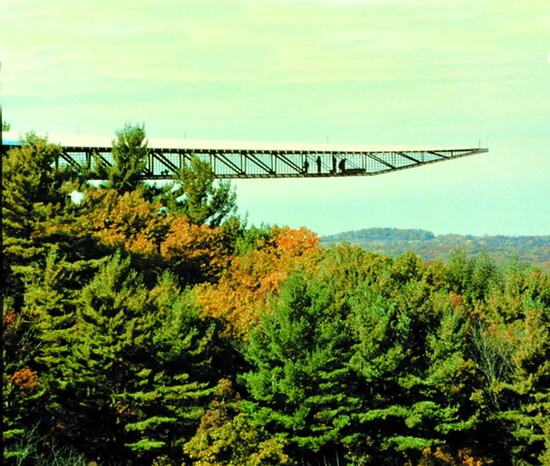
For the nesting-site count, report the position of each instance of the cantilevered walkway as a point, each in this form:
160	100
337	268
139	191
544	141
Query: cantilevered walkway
231	159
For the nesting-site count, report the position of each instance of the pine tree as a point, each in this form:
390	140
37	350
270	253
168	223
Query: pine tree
299	385
170	395
196	195
382	356
129	159
50	303
100	361
35	192
139	367
411	350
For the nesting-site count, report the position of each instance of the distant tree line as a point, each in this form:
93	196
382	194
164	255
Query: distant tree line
381	234
394	241
150	325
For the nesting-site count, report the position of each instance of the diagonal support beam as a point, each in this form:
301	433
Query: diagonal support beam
167	163
254	159
291	164
221	156
408	157
372	156
438	154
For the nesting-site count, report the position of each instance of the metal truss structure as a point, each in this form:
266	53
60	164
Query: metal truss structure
260	161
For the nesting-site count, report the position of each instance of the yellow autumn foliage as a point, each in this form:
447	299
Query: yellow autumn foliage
127	220
196	252
244	288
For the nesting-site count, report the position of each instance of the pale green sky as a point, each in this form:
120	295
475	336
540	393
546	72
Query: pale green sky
443	72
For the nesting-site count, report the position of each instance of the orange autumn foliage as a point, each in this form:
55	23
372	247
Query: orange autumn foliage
131	222
196	252
456	300
244	288
25	379
10	317
128	220
293	243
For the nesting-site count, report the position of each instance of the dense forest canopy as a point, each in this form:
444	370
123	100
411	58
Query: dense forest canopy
151	325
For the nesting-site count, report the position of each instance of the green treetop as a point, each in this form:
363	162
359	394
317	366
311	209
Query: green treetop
197	195
129	159
299	384
35	193
139	368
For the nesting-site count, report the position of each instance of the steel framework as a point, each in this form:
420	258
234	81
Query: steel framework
264	162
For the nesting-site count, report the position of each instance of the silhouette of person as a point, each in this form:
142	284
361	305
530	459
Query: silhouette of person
306	165
342	165
333	164
318	162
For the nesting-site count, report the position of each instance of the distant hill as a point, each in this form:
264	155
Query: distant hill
394	241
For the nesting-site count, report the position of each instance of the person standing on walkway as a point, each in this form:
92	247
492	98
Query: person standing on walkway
342	165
